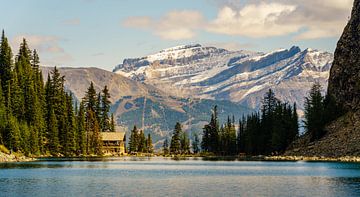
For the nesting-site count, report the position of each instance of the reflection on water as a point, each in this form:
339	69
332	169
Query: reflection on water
131	176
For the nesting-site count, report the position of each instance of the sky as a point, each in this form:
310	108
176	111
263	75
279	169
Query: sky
101	33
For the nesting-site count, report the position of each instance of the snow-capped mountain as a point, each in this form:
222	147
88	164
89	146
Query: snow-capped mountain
240	76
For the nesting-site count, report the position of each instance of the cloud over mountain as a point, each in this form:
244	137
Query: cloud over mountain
257	19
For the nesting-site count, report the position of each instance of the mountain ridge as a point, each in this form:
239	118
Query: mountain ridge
238	76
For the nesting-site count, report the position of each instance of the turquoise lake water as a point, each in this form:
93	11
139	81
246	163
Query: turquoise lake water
166	177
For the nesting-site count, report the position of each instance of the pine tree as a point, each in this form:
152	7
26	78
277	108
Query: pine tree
90	98
112	123
133	140
3	118
81	136
53	139
12	134
149	146
70	136
211	138
184	143
6	66
165	147
94	143
314	113
175	146
195	144
141	142
106	125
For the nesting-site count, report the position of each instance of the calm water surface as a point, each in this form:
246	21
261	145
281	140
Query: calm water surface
167	177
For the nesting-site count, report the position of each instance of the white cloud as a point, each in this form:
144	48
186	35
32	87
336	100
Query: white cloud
305	19
41	43
253	20
49	48
175	25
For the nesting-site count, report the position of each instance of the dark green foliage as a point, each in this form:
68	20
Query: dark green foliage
112	123
81	136
211	138
106	123
149	146
94	143
227	139
272	131
71	129
165	147
133	140
314	113
268	133
53	139
3	119
175	144
141	142
38	119
319	111
138	143
196	144
6	66
12	134
184	143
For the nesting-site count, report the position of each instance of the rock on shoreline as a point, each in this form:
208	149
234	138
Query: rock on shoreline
13	158
314	158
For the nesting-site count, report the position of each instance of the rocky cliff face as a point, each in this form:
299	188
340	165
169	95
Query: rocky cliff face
344	81
343	134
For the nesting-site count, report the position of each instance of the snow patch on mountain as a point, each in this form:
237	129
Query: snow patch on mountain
239	76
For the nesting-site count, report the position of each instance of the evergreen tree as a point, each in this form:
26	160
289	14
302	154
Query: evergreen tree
3	118
314	113
94	143
149	146
211	139
133	140
112	123
141	142
195	144
175	146
12	134
6	66
166	147
105	109
70	136
81	136
53	139
184	143
90	98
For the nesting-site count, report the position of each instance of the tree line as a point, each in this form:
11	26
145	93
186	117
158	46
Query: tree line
44	119
138	143
268	132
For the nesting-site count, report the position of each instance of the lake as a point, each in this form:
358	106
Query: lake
128	176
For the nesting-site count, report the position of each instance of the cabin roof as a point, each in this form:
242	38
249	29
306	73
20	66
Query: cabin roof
107	136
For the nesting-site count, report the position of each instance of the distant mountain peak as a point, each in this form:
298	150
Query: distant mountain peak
238	76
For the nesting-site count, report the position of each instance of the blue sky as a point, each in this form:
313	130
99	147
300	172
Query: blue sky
101	33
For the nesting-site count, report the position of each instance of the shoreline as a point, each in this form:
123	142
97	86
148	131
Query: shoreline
314	158
21	158
4	158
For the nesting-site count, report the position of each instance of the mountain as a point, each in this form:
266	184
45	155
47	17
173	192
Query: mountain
148	107
343	134
239	76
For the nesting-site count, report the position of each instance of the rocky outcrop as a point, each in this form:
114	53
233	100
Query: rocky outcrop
344	81
343	134
342	139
